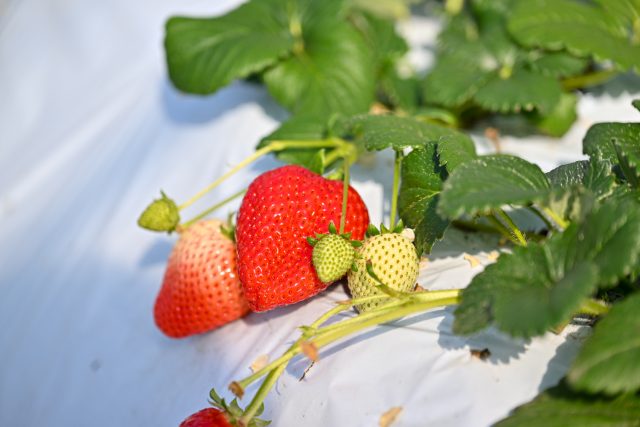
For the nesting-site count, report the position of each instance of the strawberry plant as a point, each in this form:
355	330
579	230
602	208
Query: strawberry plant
582	257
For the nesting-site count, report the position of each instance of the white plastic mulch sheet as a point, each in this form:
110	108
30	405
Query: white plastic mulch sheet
90	131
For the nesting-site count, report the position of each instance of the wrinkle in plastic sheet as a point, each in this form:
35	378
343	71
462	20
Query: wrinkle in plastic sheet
90	130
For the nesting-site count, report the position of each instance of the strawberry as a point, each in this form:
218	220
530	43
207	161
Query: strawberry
394	261
224	415
208	417
201	290
281	209
332	254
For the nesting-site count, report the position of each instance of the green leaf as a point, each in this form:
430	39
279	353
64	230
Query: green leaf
399	93
559	120
453	80
628	153
624	194
636	104
568	175
581	28
595	175
599	178
571	203
422	178
562	407
558	64
383	131
523	90
161	215
454	150
459	34
618	143
597	141
625	14
489	182
333	73
608	362
610	238
529	291
386	44
204	54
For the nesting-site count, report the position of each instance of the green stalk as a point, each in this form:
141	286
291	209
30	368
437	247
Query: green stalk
384	317
389	307
453	7
502	229
261	394
327	336
519	237
475	226
211	209
237	387
560	222
536	211
396	185
586	80
594	307
272	147
420	298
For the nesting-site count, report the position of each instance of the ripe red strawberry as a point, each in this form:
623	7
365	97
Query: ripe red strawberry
281	209
209	417
201	289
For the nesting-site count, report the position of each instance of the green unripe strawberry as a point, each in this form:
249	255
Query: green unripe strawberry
332	257
393	259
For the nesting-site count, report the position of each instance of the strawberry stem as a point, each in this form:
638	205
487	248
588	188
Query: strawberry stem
237	387
594	307
212	209
273	146
330	334
396	185
312	330
559	221
539	213
587	80
405	305
506	225
261	394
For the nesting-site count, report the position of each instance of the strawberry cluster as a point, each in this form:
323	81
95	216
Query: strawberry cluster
210	280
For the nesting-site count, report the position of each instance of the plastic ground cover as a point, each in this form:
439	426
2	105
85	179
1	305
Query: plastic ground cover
90	131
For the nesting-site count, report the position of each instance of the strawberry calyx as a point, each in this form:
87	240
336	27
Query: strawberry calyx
228	229
333	254
234	413
399	228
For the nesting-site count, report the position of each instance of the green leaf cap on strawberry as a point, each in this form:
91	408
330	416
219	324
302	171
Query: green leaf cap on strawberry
222	415
333	254
161	215
386	263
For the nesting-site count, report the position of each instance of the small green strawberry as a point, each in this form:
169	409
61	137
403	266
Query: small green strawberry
392	258
333	254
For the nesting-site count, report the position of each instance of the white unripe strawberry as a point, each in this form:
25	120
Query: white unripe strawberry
394	261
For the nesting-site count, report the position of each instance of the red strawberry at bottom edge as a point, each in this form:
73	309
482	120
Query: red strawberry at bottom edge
281	209
201	290
209	417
